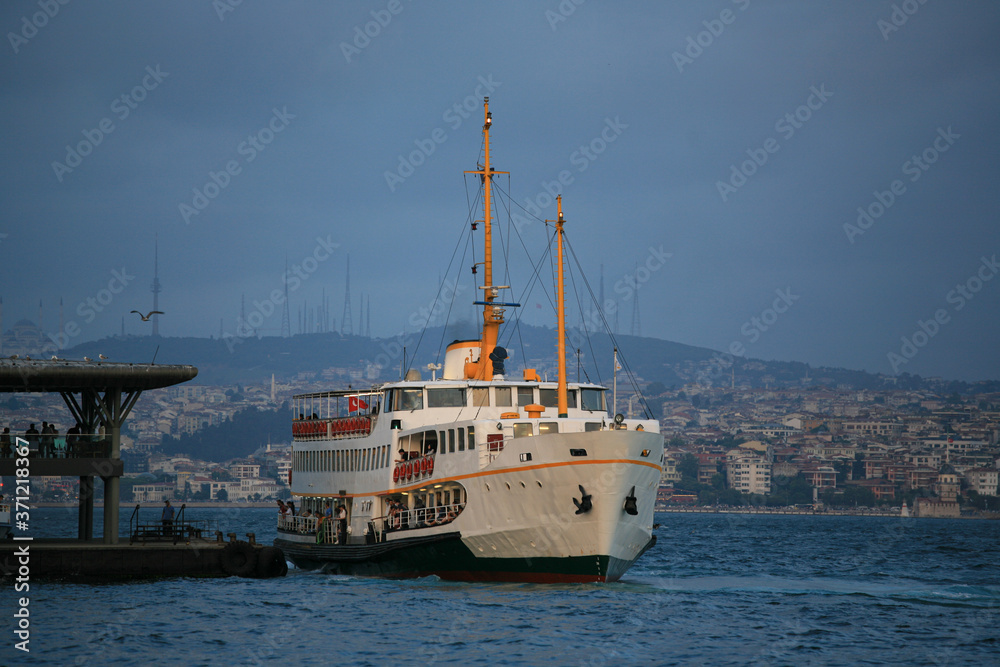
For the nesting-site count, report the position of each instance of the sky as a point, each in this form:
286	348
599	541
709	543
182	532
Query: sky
779	179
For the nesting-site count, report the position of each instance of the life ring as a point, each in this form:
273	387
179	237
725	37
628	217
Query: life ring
238	559
409	470
423	465
271	563
430	466
395	474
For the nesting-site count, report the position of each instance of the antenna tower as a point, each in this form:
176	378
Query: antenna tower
346	326
286	326
155	287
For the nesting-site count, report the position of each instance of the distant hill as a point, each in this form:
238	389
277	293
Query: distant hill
233	361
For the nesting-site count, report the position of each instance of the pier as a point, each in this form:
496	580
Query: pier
99	396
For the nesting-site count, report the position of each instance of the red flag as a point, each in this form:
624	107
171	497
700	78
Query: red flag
354	404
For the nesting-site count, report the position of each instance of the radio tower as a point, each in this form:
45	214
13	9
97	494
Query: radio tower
286	327
636	327
346	327
155	286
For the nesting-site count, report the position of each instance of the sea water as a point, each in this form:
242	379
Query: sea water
716	589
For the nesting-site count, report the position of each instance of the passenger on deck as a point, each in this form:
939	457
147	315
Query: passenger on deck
6	446
291	508
282	508
403	456
430	448
327	511
341	524
72	437
31	435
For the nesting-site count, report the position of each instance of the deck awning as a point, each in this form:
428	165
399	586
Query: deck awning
24	375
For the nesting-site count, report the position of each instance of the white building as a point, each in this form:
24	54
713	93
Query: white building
748	471
983	480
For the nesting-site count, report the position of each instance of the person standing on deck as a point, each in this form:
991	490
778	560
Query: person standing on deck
341	524
167	518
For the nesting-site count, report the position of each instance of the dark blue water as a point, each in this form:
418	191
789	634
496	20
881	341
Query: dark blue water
716	589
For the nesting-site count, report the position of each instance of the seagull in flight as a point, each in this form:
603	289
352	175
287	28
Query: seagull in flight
145	318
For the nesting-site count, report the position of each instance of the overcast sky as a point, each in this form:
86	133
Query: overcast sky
724	148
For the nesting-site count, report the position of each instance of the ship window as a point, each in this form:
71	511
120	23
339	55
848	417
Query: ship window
591	426
523	430
388	399
472	438
502	397
411	399
593	400
431	442
547	427
480	397
451	441
450	397
525	395
571	398
461	439
548	398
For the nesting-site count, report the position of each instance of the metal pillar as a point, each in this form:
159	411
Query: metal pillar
85	530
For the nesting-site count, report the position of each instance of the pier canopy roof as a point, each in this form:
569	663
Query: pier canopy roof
31	375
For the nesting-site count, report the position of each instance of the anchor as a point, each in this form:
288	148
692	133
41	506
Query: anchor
583	505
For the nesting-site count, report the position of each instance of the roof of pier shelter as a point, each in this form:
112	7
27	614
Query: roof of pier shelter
62	375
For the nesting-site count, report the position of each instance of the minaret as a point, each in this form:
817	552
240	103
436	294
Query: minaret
346	326
368	318
286	326
155	285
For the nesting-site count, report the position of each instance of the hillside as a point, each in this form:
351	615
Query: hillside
253	360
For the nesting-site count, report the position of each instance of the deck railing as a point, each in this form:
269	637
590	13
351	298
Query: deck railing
337	427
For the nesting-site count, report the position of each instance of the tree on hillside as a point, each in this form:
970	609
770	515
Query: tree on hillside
236	438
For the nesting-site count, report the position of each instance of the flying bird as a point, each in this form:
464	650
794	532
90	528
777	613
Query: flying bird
145	318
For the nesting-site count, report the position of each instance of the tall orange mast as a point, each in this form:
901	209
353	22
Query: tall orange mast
561	392
492	312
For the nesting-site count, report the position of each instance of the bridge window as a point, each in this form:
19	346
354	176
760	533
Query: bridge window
461	439
593	400
410	399
525	395
480	397
548	398
523	430
472	438
547	427
450	397
451	441
501	395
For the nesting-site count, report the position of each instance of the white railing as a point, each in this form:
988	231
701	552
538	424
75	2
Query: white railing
422	517
310	525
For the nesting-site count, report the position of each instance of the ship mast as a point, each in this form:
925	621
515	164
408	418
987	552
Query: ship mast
561	313
492	310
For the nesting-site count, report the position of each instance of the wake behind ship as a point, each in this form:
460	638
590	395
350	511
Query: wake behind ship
474	475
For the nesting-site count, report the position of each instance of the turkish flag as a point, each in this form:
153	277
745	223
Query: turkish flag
354	404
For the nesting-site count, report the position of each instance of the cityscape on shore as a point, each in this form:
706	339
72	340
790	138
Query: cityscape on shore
811	448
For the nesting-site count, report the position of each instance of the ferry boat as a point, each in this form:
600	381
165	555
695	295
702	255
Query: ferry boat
473	475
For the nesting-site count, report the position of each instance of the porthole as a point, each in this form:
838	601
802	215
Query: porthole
538	483
508	485
522	485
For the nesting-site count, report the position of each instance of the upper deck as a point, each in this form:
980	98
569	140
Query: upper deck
350	413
